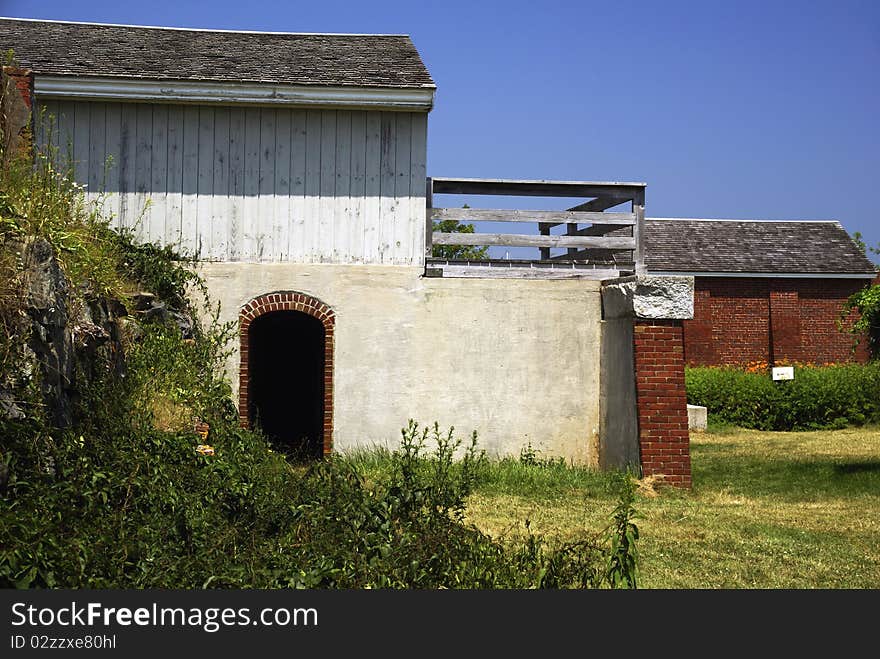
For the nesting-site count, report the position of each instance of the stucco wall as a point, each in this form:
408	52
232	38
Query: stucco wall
619	429
515	360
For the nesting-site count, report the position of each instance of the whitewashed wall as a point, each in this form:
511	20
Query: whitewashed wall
255	184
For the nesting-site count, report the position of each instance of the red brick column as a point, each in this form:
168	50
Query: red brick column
785	321
661	401
16	104
23	79
288	301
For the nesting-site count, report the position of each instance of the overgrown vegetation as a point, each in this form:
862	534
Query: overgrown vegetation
818	397
132	496
867	303
867	326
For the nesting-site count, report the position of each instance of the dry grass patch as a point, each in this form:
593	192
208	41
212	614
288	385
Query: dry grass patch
768	510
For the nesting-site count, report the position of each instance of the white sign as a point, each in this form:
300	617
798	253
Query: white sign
783	372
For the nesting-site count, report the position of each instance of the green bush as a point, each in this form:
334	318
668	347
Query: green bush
818	397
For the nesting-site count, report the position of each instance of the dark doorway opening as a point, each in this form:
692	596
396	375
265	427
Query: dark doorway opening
286	380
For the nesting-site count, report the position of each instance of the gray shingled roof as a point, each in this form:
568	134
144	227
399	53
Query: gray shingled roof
775	247
83	49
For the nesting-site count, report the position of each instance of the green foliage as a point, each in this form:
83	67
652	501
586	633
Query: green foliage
867	303
818	397
462	252
857	239
158	269
39	198
623	566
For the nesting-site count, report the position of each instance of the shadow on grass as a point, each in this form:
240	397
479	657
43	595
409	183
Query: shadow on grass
857	467
786	480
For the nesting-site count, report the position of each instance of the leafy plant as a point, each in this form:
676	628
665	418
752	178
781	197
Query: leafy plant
818	397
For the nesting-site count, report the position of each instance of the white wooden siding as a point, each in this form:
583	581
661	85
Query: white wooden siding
254	184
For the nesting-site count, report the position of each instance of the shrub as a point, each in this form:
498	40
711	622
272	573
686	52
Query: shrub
832	396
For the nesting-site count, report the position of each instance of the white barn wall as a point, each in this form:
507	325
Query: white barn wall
255	184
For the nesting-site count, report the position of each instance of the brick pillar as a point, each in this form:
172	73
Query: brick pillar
661	402
785	321
643	404
16	103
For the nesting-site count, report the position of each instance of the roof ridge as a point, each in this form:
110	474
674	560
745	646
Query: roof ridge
719	219
200	29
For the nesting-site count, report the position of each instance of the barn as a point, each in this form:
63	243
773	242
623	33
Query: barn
764	291
295	166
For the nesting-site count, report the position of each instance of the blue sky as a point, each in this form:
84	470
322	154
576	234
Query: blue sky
753	110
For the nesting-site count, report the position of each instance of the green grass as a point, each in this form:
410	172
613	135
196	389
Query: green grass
768	510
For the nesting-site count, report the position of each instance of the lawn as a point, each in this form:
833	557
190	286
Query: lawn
768	510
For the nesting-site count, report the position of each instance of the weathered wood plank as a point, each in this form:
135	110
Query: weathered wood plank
492	272
311	237
598	255
143	173
358	187
97	150
128	147
601	203
205	181
221	198
326	229
513	240
249	225
534	188
189	205
339	250
155	219
81	127
388	152
417	190
297	246
638	208
266	207
281	220
174	177
111	151
237	146
429	222
554	217
373	188
403	227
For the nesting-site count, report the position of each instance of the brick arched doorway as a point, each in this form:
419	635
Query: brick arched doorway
311	323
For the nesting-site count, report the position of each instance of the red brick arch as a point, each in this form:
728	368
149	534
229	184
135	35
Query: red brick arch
288	301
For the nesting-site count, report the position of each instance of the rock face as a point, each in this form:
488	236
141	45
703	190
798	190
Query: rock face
72	336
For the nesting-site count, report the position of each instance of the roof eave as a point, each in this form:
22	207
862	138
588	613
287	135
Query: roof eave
793	275
95	88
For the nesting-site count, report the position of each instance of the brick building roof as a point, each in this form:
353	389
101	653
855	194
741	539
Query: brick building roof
86	49
749	246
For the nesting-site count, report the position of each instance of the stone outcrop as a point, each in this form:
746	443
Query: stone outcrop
72	336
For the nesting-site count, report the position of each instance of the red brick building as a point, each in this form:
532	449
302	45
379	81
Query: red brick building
763	290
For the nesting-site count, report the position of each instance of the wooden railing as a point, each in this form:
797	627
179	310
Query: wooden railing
591	235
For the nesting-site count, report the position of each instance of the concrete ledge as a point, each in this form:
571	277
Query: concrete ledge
649	297
697	417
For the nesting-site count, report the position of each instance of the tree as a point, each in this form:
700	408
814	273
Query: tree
462	252
867	303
